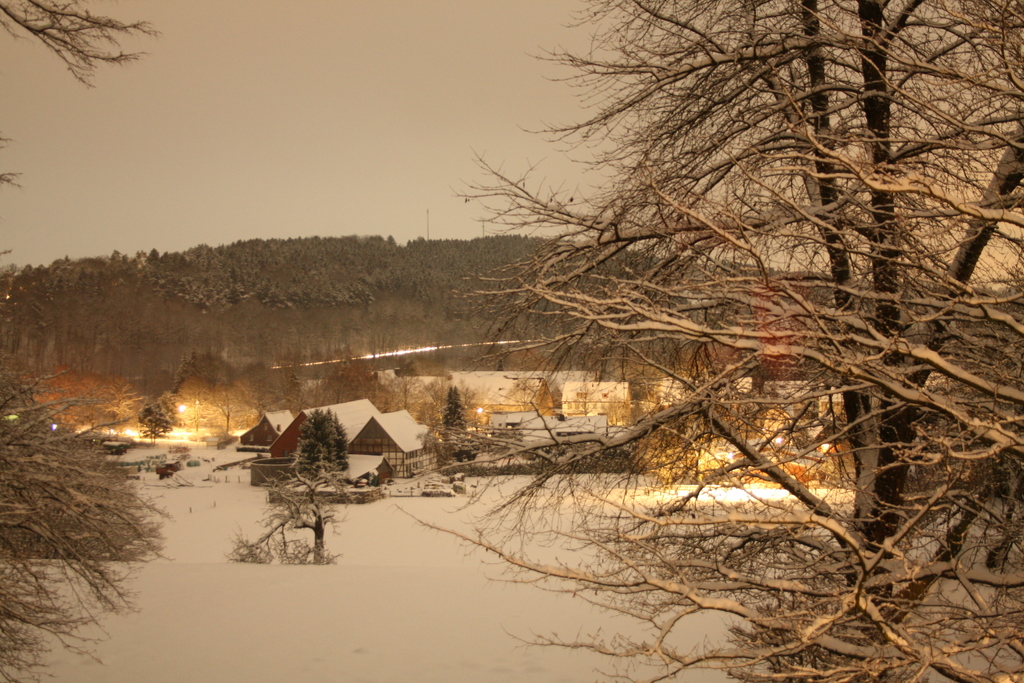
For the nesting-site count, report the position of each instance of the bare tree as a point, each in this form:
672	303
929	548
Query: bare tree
81	39
229	401
306	500
120	400
196	404
813	229
71	524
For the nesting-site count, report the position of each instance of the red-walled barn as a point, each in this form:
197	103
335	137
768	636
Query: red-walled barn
267	429
396	436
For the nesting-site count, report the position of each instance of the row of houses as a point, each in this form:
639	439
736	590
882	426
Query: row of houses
489	393
390	444
503	401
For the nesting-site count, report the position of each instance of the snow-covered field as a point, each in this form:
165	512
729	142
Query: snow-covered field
404	602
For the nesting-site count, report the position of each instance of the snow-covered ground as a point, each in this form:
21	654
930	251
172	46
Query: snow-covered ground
403	603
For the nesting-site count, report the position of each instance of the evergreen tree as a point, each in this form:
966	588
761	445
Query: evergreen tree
307	502
454	411
154	421
454	422
185	370
323	444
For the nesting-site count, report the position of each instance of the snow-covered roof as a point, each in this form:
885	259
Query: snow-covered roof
557	379
557	424
353	415
497	387
400	425
403	429
358	465
279	419
502	418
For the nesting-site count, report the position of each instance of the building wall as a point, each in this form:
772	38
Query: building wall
373	440
263	434
286	444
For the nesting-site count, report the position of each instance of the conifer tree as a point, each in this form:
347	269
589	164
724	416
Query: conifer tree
323	444
154	421
308	501
454	423
454	411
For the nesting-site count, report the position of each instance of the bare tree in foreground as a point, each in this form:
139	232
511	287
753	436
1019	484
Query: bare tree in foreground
81	39
813	240
71	524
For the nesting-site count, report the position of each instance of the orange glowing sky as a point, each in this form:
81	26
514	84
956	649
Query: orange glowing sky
280	118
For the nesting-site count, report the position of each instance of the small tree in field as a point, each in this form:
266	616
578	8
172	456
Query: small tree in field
307	501
154	421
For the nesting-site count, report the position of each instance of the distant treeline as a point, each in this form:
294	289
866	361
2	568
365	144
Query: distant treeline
251	302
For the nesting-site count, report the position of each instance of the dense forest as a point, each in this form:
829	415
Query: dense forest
255	302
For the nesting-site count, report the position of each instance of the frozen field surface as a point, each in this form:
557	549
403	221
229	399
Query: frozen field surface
403	603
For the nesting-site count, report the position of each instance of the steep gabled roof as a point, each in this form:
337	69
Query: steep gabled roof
403	429
358	465
353	415
279	419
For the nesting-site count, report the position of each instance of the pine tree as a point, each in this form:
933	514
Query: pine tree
454	422
306	502
323	444
454	411
184	371
154	421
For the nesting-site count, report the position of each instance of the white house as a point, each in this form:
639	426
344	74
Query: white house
597	398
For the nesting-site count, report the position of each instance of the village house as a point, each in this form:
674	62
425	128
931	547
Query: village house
531	425
391	444
489	392
267	429
598	398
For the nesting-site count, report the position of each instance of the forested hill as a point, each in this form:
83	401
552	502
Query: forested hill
256	301
326	271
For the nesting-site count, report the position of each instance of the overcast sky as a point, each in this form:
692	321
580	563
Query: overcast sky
279	118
